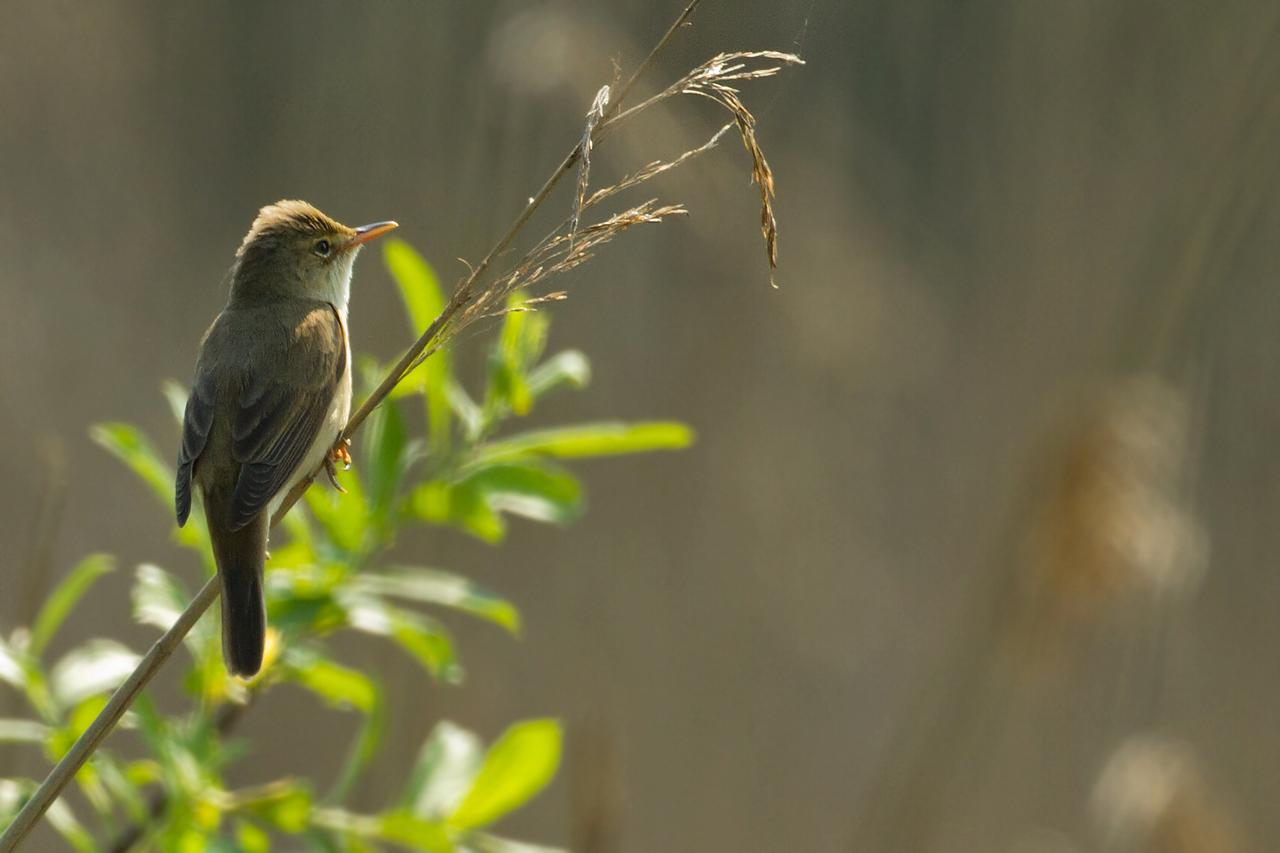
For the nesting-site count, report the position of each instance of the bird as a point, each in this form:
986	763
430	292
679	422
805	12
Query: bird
270	397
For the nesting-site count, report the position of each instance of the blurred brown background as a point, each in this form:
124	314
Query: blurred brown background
984	490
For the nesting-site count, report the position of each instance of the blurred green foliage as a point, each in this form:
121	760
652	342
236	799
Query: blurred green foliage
328	574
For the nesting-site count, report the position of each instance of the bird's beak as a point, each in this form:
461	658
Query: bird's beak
365	233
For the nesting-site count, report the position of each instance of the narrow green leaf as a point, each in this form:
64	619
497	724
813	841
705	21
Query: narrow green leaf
446	766
432	586
62	819
414	832
176	394
466	409
517	767
122	789
534	489
96	667
23	731
343	516
80	718
385	459
419	287
598	439
300	600
285	805
428	642
518	347
10	666
458	505
336	684
363	748
570	367
64	597
425	639
159	599
13	793
130	446
424	299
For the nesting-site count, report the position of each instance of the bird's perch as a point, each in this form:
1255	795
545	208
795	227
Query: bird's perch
65	770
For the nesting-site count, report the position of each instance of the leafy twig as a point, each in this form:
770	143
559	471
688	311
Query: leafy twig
105	722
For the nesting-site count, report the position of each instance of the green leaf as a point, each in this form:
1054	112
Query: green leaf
344	517
130	446
159	599
23	731
446	766
598	439
517	767
428	642
175	394
285	805
300	601
459	505
519	345
414	832
336	684
62	819
534	489
529	487
417	281
432	586
423	301
78	721
570	367
96	667
425	639
121	787
251	839
386	460
11	671
64	597
466	409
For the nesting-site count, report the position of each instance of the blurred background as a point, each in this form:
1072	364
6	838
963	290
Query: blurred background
975	548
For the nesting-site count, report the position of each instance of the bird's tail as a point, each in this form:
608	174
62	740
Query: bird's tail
241	555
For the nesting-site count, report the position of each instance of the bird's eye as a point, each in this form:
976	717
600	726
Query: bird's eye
321	248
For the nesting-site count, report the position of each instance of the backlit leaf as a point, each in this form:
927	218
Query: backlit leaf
533	489
570	367
130	446
599	439
519	765
423	300
446	765
96	667
337	684
459	505
432	586
64	597
23	731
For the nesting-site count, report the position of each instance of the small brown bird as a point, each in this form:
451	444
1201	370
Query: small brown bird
272	392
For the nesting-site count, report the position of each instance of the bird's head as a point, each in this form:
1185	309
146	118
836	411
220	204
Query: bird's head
294	250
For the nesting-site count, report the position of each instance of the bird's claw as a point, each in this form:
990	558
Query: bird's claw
341	452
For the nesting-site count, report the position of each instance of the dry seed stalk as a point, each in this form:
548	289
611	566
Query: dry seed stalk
707	80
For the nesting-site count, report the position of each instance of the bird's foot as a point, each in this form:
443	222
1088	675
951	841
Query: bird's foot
341	452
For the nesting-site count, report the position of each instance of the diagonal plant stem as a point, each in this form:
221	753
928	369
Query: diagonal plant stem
65	770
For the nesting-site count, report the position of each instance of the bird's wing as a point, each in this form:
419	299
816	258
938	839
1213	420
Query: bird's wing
277	422
196	422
